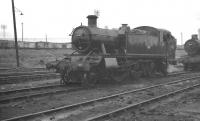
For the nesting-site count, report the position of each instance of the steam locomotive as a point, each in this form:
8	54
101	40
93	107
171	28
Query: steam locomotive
192	48
116	53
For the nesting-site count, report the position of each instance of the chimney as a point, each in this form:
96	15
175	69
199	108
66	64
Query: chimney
124	25
92	20
124	28
195	36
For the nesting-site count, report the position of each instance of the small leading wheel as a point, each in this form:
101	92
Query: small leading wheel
72	77
65	78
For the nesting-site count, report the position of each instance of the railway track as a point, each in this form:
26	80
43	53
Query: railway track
18	77
21	69
135	106
37	68
5	74
25	93
66	111
24	77
177	73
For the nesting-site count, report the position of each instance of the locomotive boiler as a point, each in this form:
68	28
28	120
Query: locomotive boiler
115	53
192	48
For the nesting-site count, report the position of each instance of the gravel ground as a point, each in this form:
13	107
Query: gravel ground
183	107
119	102
49	102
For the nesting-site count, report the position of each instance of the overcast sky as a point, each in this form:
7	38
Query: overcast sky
57	18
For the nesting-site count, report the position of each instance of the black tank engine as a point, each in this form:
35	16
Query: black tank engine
115	53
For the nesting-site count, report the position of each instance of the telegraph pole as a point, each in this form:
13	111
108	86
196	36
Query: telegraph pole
46	38
15	32
181	38
22	31
46	41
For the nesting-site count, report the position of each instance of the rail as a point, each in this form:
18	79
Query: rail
11	95
68	107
